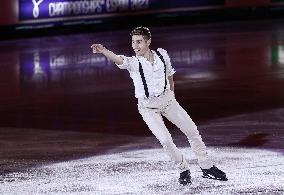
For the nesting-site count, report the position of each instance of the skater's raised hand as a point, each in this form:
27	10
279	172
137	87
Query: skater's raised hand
98	48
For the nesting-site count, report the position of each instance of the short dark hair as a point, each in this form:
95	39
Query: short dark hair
141	30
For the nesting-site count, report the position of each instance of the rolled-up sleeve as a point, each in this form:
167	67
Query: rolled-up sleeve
170	69
127	62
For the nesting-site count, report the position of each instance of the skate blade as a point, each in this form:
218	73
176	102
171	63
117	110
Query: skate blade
185	182
214	178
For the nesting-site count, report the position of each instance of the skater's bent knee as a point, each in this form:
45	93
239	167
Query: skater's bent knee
189	128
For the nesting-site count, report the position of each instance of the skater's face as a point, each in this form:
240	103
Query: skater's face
140	45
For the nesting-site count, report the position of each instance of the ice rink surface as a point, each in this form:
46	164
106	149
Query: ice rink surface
121	164
250	171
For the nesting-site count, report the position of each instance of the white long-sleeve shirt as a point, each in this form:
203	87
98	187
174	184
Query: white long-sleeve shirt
153	73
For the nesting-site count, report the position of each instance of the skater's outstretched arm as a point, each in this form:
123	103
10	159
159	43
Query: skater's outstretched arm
98	48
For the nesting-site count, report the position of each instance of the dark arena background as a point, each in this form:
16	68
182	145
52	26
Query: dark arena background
69	122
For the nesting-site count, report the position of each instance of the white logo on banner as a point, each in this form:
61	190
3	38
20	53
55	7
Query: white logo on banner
36	7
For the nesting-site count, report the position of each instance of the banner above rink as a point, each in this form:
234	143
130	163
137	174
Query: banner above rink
46	9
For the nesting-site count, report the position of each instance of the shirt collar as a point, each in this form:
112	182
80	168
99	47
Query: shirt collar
142	57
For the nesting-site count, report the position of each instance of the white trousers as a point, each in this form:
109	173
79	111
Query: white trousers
152	110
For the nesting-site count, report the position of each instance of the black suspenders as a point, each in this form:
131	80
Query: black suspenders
165	68
143	80
143	77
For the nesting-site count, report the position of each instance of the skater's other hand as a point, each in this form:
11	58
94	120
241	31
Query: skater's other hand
98	48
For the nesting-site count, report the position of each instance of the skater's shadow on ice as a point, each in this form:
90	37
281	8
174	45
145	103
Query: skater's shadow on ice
254	140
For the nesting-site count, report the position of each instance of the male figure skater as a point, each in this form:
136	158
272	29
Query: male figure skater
152	75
